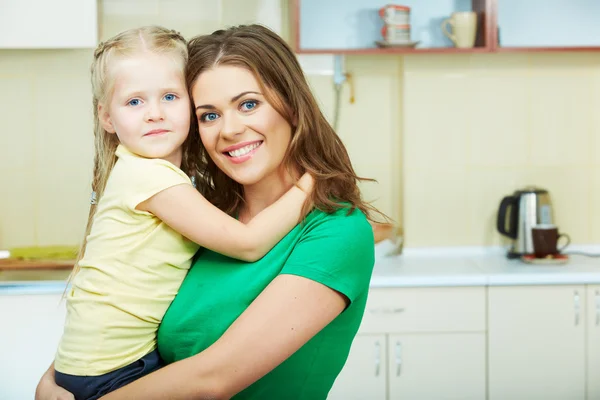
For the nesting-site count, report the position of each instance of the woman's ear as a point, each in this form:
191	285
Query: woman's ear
105	120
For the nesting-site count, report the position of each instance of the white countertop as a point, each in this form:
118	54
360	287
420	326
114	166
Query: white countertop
416	267
478	266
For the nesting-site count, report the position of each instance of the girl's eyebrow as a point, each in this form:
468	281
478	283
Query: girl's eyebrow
233	100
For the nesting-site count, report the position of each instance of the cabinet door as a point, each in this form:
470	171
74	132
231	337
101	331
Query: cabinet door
31	328
536	342
437	366
364	375
48	24
593	343
548	23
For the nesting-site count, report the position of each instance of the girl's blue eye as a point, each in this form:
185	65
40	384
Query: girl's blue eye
249	105
170	97
134	102
209	117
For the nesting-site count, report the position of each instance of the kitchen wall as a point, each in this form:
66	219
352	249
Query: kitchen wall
445	136
476	127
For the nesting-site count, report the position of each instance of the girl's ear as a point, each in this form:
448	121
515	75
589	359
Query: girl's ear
105	120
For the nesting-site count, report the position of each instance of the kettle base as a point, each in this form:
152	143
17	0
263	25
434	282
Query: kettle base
511	255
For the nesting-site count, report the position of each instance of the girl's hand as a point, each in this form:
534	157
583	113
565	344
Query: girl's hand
47	389
306	183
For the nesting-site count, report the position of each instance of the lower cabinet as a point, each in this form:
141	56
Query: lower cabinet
537	343
31	328
425	344
437	366
593	343
365	374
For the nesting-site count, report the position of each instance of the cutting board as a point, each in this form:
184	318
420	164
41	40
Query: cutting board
9	263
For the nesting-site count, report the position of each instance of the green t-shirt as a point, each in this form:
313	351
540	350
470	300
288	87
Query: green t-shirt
335	249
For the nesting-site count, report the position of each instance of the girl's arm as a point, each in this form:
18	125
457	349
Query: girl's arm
189	213
288	313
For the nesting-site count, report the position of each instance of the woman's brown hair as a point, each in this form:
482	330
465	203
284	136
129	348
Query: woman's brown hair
314	148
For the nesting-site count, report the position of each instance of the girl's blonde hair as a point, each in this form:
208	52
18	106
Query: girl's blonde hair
153	39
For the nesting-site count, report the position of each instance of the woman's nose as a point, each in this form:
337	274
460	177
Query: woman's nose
231	125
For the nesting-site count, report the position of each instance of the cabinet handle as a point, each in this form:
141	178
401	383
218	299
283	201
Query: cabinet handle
386	310
377	357
576	306
398	358
597	307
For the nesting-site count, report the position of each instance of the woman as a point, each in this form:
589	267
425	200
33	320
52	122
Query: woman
279	328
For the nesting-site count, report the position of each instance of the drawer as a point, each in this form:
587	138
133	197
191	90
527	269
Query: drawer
397	310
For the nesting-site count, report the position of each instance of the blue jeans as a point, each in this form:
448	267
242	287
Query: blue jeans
94	387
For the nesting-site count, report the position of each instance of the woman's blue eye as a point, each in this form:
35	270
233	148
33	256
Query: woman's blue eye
249	105
209	117
134	102
170	97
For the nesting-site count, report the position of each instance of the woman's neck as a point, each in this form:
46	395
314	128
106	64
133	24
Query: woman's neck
262	194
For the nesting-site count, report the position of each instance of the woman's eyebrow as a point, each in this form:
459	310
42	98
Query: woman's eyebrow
233	100
236	98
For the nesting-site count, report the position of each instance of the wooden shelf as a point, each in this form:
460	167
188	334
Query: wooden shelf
375	51
500	49
486	41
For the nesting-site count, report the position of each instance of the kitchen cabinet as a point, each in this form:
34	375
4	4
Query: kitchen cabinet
503	26
365	374
593	342
534	24
437	366
42	24
418	343
31	328
353	26
537	342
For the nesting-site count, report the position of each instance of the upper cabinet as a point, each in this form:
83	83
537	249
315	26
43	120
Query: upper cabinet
48	24
548	24
357	26
444	26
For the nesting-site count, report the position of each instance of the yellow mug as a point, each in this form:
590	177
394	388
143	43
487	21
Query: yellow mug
464	28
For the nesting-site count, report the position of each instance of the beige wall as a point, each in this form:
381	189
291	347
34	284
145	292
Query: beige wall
476	127
448	135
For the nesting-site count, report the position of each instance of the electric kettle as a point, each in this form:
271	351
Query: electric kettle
519	213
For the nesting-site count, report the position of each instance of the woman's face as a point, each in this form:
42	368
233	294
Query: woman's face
242	133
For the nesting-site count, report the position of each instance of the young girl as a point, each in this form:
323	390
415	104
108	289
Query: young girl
148	220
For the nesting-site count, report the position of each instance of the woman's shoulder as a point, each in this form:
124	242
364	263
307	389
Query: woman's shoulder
344	222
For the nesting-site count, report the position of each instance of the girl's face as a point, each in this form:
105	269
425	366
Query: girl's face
242	133
149	109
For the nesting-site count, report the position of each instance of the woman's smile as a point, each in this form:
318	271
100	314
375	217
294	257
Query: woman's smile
242	152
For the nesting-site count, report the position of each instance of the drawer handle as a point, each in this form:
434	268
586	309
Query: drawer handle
386	310
576	306
597	307
398	358
377	357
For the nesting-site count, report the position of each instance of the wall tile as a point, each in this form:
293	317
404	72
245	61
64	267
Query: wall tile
570	190
561	118
595	129
595	206
486	188
499	124
18	211
16	145
436	207
438	113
